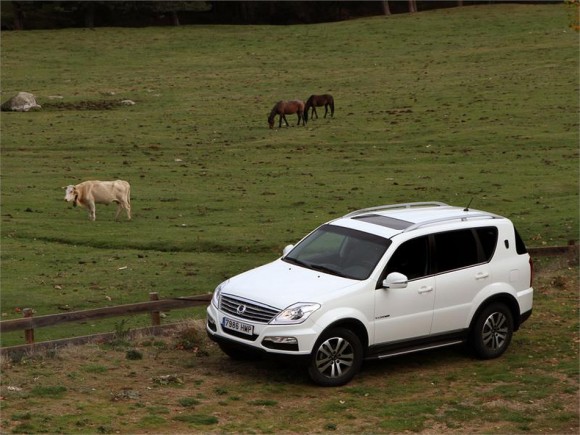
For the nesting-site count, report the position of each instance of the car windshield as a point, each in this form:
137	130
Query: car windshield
339	251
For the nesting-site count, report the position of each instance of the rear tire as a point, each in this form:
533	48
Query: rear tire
336	358
492	331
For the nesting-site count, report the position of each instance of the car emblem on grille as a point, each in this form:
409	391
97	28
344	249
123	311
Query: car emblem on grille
241	309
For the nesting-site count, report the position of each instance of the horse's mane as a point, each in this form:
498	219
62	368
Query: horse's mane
274	111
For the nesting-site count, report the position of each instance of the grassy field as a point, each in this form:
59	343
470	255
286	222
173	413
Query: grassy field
467	103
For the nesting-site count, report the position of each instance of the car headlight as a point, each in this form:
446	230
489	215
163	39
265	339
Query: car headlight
296	313
215	300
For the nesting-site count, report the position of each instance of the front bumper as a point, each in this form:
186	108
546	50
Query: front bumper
268	339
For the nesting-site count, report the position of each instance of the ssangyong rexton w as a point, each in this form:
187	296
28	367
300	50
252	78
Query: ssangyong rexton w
380	282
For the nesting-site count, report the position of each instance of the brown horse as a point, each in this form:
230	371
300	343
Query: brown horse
315	101
283	108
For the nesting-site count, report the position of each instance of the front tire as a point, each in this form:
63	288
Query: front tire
336	358
492	331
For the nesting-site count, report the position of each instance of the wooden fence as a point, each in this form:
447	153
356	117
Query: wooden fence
154	306
570	250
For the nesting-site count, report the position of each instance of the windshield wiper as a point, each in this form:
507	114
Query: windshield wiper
297	262
318	267
312	266
327	270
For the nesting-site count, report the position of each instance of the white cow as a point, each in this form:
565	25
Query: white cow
89	193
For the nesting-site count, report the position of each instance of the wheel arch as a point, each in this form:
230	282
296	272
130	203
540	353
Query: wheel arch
356	326
504	298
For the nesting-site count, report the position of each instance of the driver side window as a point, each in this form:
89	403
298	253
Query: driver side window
411	259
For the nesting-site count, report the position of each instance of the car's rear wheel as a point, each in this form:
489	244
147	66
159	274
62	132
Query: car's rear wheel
492	331
336	358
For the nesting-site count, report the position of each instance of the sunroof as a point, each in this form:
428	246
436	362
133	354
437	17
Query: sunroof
384	221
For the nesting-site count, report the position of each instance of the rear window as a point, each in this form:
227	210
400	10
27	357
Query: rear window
464	248
455	250
488	239
520	245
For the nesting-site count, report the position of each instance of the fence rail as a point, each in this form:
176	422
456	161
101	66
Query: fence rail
102	313
154	306
571	249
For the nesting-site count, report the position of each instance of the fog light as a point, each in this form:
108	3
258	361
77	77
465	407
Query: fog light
281	343
211	323
282	340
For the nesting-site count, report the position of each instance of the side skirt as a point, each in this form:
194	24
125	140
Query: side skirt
389	350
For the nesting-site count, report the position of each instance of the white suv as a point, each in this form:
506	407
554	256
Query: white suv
380	282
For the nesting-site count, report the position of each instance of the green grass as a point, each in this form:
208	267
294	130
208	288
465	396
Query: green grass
52	391
458	104
197	419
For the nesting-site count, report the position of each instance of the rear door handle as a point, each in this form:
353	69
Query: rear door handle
425	290
481	275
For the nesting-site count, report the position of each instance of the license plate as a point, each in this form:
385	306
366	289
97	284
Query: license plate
234	325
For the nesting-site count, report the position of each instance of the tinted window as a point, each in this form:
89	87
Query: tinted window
488	239
520	245
455	249
339	251
385	221
411	258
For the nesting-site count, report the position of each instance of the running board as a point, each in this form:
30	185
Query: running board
390	354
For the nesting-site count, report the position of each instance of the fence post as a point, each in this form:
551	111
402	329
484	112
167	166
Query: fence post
572	252
155	317
28	333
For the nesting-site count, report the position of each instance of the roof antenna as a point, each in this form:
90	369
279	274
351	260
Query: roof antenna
467	208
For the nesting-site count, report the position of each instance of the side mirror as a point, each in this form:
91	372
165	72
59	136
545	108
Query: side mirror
287	250
395	280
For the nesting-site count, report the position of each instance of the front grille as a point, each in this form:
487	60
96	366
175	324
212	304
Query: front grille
253	311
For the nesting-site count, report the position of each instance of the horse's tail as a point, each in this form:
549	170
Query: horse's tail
331	105
302	107
307	108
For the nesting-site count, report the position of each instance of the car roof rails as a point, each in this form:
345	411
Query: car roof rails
396	206
463	217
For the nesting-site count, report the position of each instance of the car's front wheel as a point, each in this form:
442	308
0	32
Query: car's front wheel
336	358
492	331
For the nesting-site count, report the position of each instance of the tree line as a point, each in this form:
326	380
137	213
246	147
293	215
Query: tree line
25	15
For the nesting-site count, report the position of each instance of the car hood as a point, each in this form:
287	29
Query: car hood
280	284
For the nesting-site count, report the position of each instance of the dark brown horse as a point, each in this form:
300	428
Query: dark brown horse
283	108
315	101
